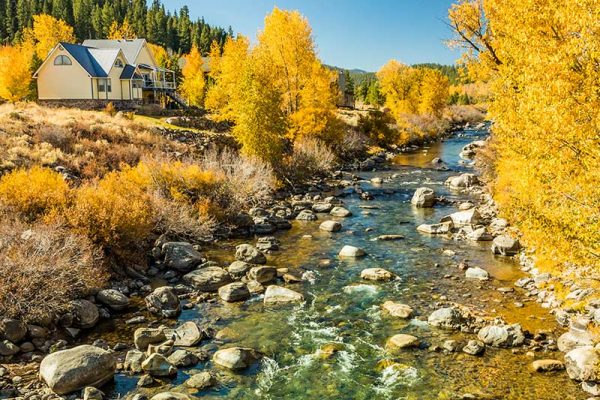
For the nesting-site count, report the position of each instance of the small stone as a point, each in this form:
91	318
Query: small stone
376	274
477	273
351	252
450	345
278	294
474	348
158	365
330	226
91	393
236	291
401	341
202	380
145	381
397	309
340	212
547	365
235	358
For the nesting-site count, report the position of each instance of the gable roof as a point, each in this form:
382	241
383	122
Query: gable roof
129	72
130	47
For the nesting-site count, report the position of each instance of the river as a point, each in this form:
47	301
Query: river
342	313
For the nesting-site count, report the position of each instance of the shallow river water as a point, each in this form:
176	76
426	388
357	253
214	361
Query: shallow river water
342	312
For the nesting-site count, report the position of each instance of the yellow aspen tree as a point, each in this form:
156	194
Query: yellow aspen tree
214	58
400	84
122	31
15	71
160	55
47	31
193	84
434	92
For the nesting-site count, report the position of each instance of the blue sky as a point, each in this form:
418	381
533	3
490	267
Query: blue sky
361	34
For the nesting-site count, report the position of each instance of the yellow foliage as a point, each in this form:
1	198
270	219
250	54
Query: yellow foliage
47	31
192	86
15	71
160	54
542	62
434	92
35	193
122	31
116	211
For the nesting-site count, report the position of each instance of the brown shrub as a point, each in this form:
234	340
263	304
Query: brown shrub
43	268
310	158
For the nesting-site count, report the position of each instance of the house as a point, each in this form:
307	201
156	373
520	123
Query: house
100	71
346	98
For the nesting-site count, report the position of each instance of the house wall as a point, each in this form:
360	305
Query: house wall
63	81
145	57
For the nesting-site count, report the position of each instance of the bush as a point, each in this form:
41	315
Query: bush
35	193
311	157
43	268
353	145
378	127
110	109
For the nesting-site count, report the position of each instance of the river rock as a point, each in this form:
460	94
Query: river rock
13	330
278	294
435	229
397	309
187	334
505	245
462	218
330	226
236	291
322	207
423	198
163	301
133	361
477	273
502	335
113	299
262	274
268	243
575	338
235	357
448	318
340	212
86	314
479	235
474	348
91	393
181	256
388	238
208	279
238	269
171	396
462	181
377	274
582	364
250	254
351	251
450	345
8	348
306	215
401	341
183	358
158	365
547	365
202	380
143	337
67	371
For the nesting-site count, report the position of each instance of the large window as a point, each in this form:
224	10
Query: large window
104	85
62	60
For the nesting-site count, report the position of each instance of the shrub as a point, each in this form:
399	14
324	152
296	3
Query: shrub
35	193
353	145
311	157
110	109
181	220
378	127
43	268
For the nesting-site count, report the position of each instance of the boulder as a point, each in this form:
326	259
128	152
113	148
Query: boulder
330	226
340	212
423	198
397	309
474	348
113	299
479	235
86	314
582	364
462	181
250	254
183	358
268	243
306	215
91	393
13	330
502	335
377	274
8	348
163	301
202	380
208	279
462	218
143	337
238	269
322	207
187	334
435	229
401	341
477	273
133	361
575	338
448	318
158	365
505	245
171	396
67	371
235	358
262	274
181	256
547	365
236	291
351	252
278	294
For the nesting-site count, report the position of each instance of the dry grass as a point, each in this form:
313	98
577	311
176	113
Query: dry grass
472	114
311	158
43	267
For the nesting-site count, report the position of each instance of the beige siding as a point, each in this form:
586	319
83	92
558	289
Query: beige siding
63	81
145	57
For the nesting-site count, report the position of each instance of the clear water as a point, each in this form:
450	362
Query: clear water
342	312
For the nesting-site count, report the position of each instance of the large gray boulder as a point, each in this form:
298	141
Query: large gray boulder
505	245
163	301
71	370
462	218
502	335
575	338
236	291
187	334
113	299
250	254
262	274
181	256
208	279
582	364
278	294
13	330
423	198
238	269
86	314
235	358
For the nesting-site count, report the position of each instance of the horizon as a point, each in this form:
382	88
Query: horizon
348	34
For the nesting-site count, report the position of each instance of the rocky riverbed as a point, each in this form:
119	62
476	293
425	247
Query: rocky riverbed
394	283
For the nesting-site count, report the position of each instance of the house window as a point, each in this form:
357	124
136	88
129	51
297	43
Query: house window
104	85
62	60
119	63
